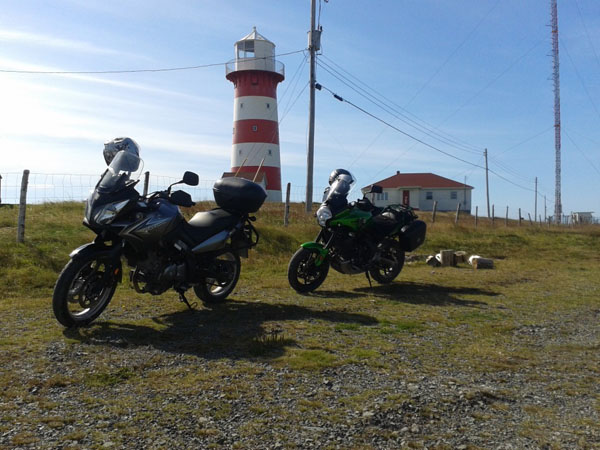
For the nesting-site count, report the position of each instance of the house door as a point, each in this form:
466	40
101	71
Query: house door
406	197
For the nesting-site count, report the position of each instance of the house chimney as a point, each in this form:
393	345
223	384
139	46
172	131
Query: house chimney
397	172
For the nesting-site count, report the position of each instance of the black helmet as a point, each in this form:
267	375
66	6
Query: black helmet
336	173
111	148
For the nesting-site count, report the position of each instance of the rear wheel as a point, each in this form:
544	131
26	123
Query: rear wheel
215	290
85	287
303	273
389	263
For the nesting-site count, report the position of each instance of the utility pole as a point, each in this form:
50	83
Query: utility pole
535	207
556	78
487	186
314	37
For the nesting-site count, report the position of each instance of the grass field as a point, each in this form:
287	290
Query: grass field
443	357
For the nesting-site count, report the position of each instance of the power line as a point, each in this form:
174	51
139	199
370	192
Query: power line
343	100
397	108
168	69
397	114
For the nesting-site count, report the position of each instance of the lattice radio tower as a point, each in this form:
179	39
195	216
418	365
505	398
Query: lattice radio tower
556	78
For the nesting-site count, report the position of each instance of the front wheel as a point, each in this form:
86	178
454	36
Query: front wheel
215	290
85	287
388	263
304	274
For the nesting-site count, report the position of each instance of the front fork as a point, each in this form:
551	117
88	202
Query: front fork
322	250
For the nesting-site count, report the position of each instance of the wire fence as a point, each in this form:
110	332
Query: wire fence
57	187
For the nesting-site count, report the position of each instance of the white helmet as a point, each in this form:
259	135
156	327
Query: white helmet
111	148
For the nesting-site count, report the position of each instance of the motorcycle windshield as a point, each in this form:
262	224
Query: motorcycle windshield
124	167
336	196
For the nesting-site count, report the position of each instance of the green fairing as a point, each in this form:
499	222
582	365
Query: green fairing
323	252
352	218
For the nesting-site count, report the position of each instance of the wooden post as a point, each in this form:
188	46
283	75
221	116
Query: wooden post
476	214
519	216
493	215
0	189
506	218
286	213
530	222
22	207
447	257
457	213
146	182
434	209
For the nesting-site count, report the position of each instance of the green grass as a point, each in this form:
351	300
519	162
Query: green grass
527	316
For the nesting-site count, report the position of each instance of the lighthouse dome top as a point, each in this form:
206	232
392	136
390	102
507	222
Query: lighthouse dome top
255	52
255	36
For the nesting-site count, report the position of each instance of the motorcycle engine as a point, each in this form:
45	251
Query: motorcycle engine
353	253
157	273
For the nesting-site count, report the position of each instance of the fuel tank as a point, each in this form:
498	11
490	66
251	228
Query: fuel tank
161	219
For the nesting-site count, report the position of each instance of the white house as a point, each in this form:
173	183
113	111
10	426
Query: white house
421	190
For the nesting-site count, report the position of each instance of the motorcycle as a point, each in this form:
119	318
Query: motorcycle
355	237
162	249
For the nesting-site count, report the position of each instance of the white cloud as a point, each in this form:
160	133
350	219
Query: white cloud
44	40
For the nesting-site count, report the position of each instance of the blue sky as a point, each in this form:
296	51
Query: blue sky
477	72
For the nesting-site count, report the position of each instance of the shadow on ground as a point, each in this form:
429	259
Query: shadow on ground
426	294
233	329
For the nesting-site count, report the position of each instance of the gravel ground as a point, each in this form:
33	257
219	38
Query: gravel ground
254	403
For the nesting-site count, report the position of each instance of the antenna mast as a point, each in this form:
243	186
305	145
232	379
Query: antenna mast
556	79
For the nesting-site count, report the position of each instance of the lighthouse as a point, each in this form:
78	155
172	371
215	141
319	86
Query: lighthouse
255	74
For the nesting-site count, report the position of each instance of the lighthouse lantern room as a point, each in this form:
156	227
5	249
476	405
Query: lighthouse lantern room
255	74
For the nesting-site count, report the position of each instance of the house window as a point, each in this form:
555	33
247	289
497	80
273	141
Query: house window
429	195
382	196
453	195
270	152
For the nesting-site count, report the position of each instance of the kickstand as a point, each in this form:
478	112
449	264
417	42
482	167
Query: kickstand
369	278
185	300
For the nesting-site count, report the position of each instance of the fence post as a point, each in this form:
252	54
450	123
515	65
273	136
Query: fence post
0	189
433	213
457	213
530	222
506	218
493	215
286	214
519	216
146	182
476	214
22	207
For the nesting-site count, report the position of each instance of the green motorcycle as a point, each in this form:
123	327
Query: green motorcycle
355	237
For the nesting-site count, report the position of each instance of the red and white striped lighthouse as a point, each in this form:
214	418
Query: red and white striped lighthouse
255	74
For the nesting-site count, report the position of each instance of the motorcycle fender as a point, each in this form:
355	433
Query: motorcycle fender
94	246
323	252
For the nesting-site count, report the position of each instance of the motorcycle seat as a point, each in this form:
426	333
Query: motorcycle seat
206	223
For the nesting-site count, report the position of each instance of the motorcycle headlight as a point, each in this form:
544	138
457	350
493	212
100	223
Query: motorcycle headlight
107	213
323	215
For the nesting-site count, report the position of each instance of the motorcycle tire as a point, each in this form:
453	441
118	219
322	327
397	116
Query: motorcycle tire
303	274
384	272
85	287
212	290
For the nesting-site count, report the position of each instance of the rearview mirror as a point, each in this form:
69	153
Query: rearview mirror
376	189
190	178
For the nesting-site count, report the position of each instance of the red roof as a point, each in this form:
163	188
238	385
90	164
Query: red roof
421	180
